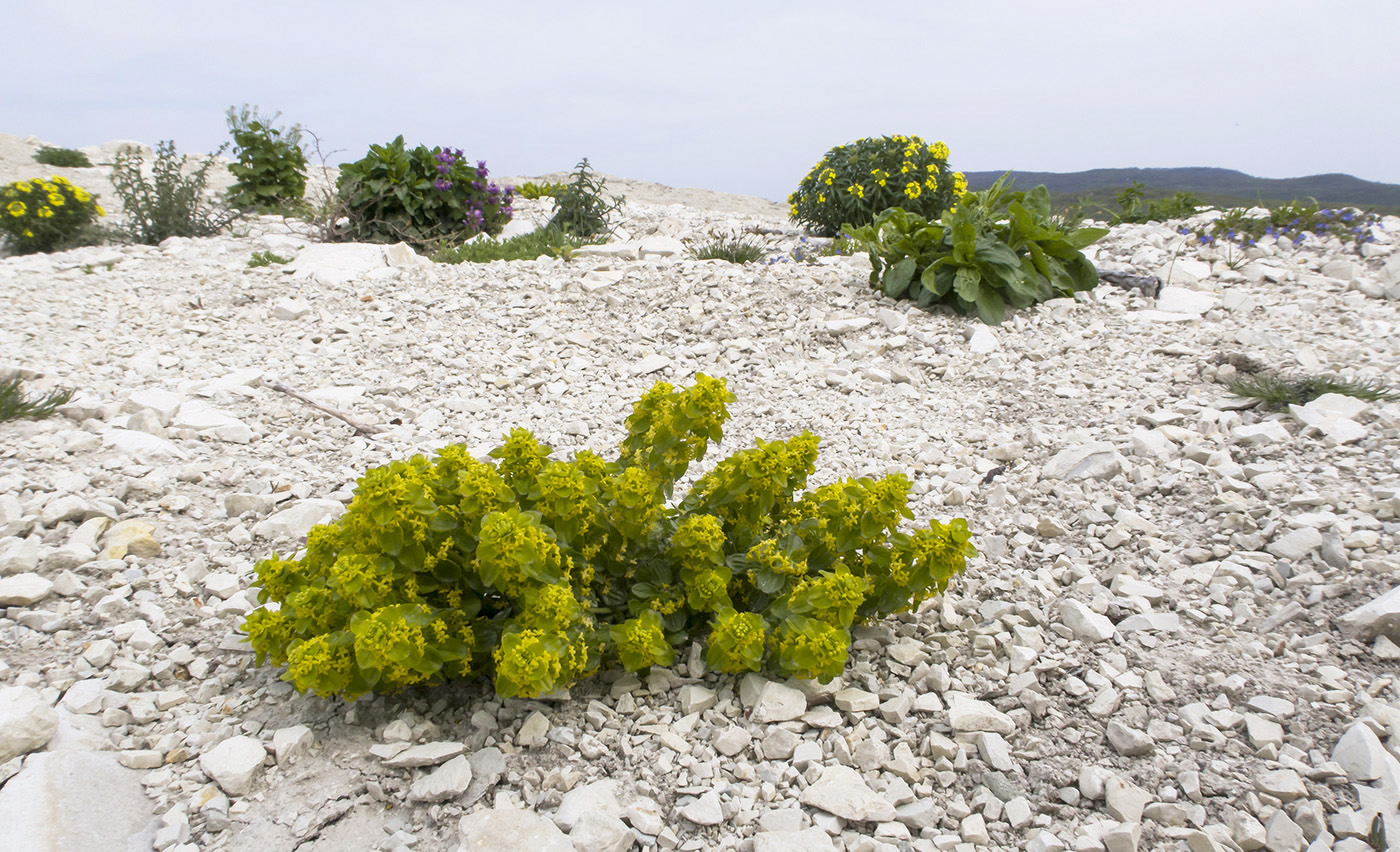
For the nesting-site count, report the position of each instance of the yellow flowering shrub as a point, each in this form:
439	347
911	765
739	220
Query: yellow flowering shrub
854	183
47	215
537	571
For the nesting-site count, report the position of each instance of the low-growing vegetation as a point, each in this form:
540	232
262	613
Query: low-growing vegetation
729	247
995	249
580	208
266	258
13	404
1134	208
538	571
63	158
1281	391
270	166
1292	222
532	190
542	242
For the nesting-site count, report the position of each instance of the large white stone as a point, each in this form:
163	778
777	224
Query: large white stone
970	715
1096	460
777	702
1360	753
27	722
162	403
1296	544
24	590
841	791
1380	616
446	782
296	521
234	764
511	830
807	840
334	264
599	832
599	796
1088	626
1179	300
75	801
142	446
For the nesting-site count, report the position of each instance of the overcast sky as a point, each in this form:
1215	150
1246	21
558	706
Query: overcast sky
733	96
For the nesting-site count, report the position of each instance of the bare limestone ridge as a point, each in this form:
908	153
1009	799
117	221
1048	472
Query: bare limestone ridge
1181	632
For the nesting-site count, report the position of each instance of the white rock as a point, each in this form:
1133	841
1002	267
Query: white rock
234	764
1296	544
296	521
511	830
841	791
983	341
428	754
650	364
24	590
75	800
599	832
1124	800
807	840
144	448
1179	300
1380	616
1097	460
849	324
446	782
334	264
27	722
777	702
1360	753
706	810
970	715
162	403
599	796
1088	626
292	744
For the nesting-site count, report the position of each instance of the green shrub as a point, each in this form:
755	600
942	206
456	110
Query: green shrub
854	183
541	242
580	209
735	249
47	215
63	158
539	571
266	258
169	203
426	197
1132	209
995	248
532	190
13	404
271	167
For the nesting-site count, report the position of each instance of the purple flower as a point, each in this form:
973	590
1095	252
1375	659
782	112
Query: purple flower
442	185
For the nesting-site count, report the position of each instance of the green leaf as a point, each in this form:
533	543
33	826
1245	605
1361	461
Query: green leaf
990	307
967	282
898	277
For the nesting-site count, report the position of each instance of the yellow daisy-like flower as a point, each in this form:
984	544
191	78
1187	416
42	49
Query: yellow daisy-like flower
60	180
792	211
16	209
56	199
28	233
44	213
857	190
912	189
940	151
828	176
821	198
904	168
100	211
931	183
23	186
81	194
959	183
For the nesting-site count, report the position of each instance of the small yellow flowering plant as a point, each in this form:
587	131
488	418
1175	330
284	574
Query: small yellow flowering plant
47	215
854	183
538	571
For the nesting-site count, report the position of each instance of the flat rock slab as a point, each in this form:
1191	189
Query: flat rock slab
511	830
841	791
27	722
76	801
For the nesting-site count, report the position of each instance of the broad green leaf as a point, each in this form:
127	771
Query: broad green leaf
967	282
990	306
898	277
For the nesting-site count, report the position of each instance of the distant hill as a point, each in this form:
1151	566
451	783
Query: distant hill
1214	186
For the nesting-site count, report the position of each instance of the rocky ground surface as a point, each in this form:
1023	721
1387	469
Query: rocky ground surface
1179	633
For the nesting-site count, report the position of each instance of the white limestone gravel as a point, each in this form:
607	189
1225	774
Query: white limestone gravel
1176	636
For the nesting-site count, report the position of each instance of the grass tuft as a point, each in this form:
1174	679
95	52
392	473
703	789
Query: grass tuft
13	404
266	258
1280	391
734	249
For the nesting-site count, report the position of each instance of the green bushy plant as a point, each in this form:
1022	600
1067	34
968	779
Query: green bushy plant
14	405
532	190
169	203
63	158
580	209
546	242
854	183
426	197
271	166
539	571
1134	208
1282	391
993	249
47	215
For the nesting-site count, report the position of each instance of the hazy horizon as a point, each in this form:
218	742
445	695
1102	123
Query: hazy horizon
735	97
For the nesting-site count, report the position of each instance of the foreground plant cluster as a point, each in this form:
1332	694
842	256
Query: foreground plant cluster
537	571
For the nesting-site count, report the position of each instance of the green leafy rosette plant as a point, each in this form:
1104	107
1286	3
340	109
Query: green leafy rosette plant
854	183
271	167
426	197
538	571
46	215
995	249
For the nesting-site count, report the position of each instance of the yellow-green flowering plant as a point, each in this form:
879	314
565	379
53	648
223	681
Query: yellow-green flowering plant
538	571
47	215
854	183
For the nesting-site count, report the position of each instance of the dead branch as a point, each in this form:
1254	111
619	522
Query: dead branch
274	383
